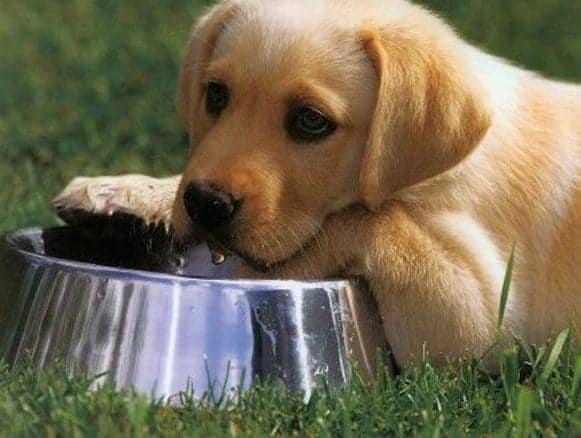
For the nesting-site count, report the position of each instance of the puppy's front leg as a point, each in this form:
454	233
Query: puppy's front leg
432	295
435	293
138	196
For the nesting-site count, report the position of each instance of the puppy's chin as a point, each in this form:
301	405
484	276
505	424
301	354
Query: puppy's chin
265	250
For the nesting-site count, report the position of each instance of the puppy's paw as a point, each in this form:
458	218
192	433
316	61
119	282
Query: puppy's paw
117	200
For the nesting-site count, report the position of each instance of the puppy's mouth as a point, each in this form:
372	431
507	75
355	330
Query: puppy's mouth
219	244
231	240
222	245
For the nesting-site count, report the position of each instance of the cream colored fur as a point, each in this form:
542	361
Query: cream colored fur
445	158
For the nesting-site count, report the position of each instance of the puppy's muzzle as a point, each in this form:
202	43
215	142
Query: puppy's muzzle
208	206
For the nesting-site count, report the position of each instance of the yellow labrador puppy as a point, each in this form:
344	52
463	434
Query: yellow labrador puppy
365	138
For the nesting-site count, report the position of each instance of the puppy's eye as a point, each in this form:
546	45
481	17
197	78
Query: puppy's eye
307	124
217	96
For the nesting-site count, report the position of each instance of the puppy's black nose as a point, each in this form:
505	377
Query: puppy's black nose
209	206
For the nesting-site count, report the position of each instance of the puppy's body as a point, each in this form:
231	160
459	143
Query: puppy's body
521	185
443	159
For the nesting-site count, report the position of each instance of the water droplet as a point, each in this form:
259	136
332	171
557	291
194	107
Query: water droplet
218	257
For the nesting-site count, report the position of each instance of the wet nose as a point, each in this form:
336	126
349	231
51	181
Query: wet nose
209	206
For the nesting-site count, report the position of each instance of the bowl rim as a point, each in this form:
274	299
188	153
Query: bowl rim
96	269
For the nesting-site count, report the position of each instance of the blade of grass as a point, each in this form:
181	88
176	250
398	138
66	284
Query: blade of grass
505	288
554	356
524	413
509	374
576	378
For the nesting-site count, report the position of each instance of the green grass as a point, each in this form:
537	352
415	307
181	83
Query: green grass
88	86
537	393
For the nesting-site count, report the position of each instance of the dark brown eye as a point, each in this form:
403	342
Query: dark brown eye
307	124
217	96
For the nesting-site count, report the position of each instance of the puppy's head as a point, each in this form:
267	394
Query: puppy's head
297	109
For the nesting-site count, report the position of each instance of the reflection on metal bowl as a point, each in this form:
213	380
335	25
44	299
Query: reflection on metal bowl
94	304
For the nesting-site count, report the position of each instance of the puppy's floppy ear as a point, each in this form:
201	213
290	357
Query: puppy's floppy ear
429	115
197	55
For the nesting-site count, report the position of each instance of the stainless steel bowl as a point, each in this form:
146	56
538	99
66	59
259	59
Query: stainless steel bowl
73	298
